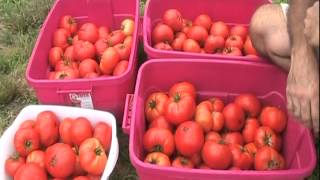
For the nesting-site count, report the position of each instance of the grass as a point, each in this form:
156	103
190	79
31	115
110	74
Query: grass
20	22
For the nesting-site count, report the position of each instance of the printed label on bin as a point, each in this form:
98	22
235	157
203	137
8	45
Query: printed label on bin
82	100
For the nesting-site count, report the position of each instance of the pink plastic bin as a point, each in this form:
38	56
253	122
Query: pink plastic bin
224	79
107	93
230	11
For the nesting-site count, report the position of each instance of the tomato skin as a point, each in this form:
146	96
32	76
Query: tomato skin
159	140
47	125
37	157
128	41
274	118
198	33
13	163
234	117
30	171
161	122
120	68
268	158
213	136
249	103
240	31
248	47
123	51
189	138
80	130
196	159
208	118
64	130
265	136
69	54
101	45
103	31
177	44
55	55
187	24
88	66
162	33
214	44
232	51
241	158
60	160
182	162
250	128
163	46
65	64
103	132
62	38
110	58
84	50
26	140
173	18
234	41
233	138
216	156
219	28
157	158
203	20
69	23
92	156
81	178
251	148
155	105
27	124
127	26
88	32
183	88
190	45
66	74
78	170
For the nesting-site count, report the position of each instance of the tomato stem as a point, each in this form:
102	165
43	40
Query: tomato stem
152	104
157	148
177	98
98	151
28	144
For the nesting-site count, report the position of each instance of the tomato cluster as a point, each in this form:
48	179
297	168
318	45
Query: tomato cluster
240	135
201	36
70	149
90	51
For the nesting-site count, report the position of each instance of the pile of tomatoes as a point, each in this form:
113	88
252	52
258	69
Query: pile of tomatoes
201	36
71	148
241	135
90	51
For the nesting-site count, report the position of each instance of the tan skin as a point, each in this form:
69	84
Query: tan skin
291	45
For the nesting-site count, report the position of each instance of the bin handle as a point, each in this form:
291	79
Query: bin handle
74	91
126	122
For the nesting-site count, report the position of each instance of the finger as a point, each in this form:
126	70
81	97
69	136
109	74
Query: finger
296	108
315	116
306	113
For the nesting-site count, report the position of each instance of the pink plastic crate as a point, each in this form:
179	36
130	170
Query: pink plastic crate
107	93
224	79
230	11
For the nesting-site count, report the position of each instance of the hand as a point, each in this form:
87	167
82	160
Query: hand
303	87
311	23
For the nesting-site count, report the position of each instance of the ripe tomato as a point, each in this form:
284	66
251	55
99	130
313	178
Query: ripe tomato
213	136
75	39
265	136
83	50
30	171
123	51
251	148
101	45
103	32
51	75
47	125
219	28
27	124
189	138
159	140
110	58
163	46
93	158
87	66
69	54
173	18
234	41
203	20
88	32
196	159
94	177
217	104
157	158
162	33
161	122
60	160
13	163
249	103
249	48
120	68
234	117
91	75
250	128
207	118
182	162
62	38
214	44
190	45
80	130
268	159
116	37
55	55
183	88
66	74
216	156
232	51
103	132
26	140
66	64
233	138
78	170
181	35
37	157
69	23
274	118
155	105
240	31
81	178
177	43
241	158
64	130
198	33
128	41
127	26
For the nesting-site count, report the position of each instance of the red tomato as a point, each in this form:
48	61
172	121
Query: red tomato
87	66
103	132
250	128
217	104
101	45
187	24
161	122
241	158
62	38
52	75
233	138
183	88
64	130
27	124
249	103
162	33
116	37
177	44
30	171
159	140
103	32
182	162
219	28
37	157
157	158
80	130
75	39
94	177
207	118
216	156
69	54
173	18
240	31
232	51
265	136
214	44
55	55
155	105
13	163
81	178
91	75
274	118
163	46
196	159
69	23
203	20
181	35
203	166
128	41
190	45
213	136
234	168
88	32
234	41
93	158
234	117
84	50
110	58
78	170
189	138
60	160
198	33
120	68
66	64
66	74
47	125
26	140
123	51
249	48
268	159
127	26
251	148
